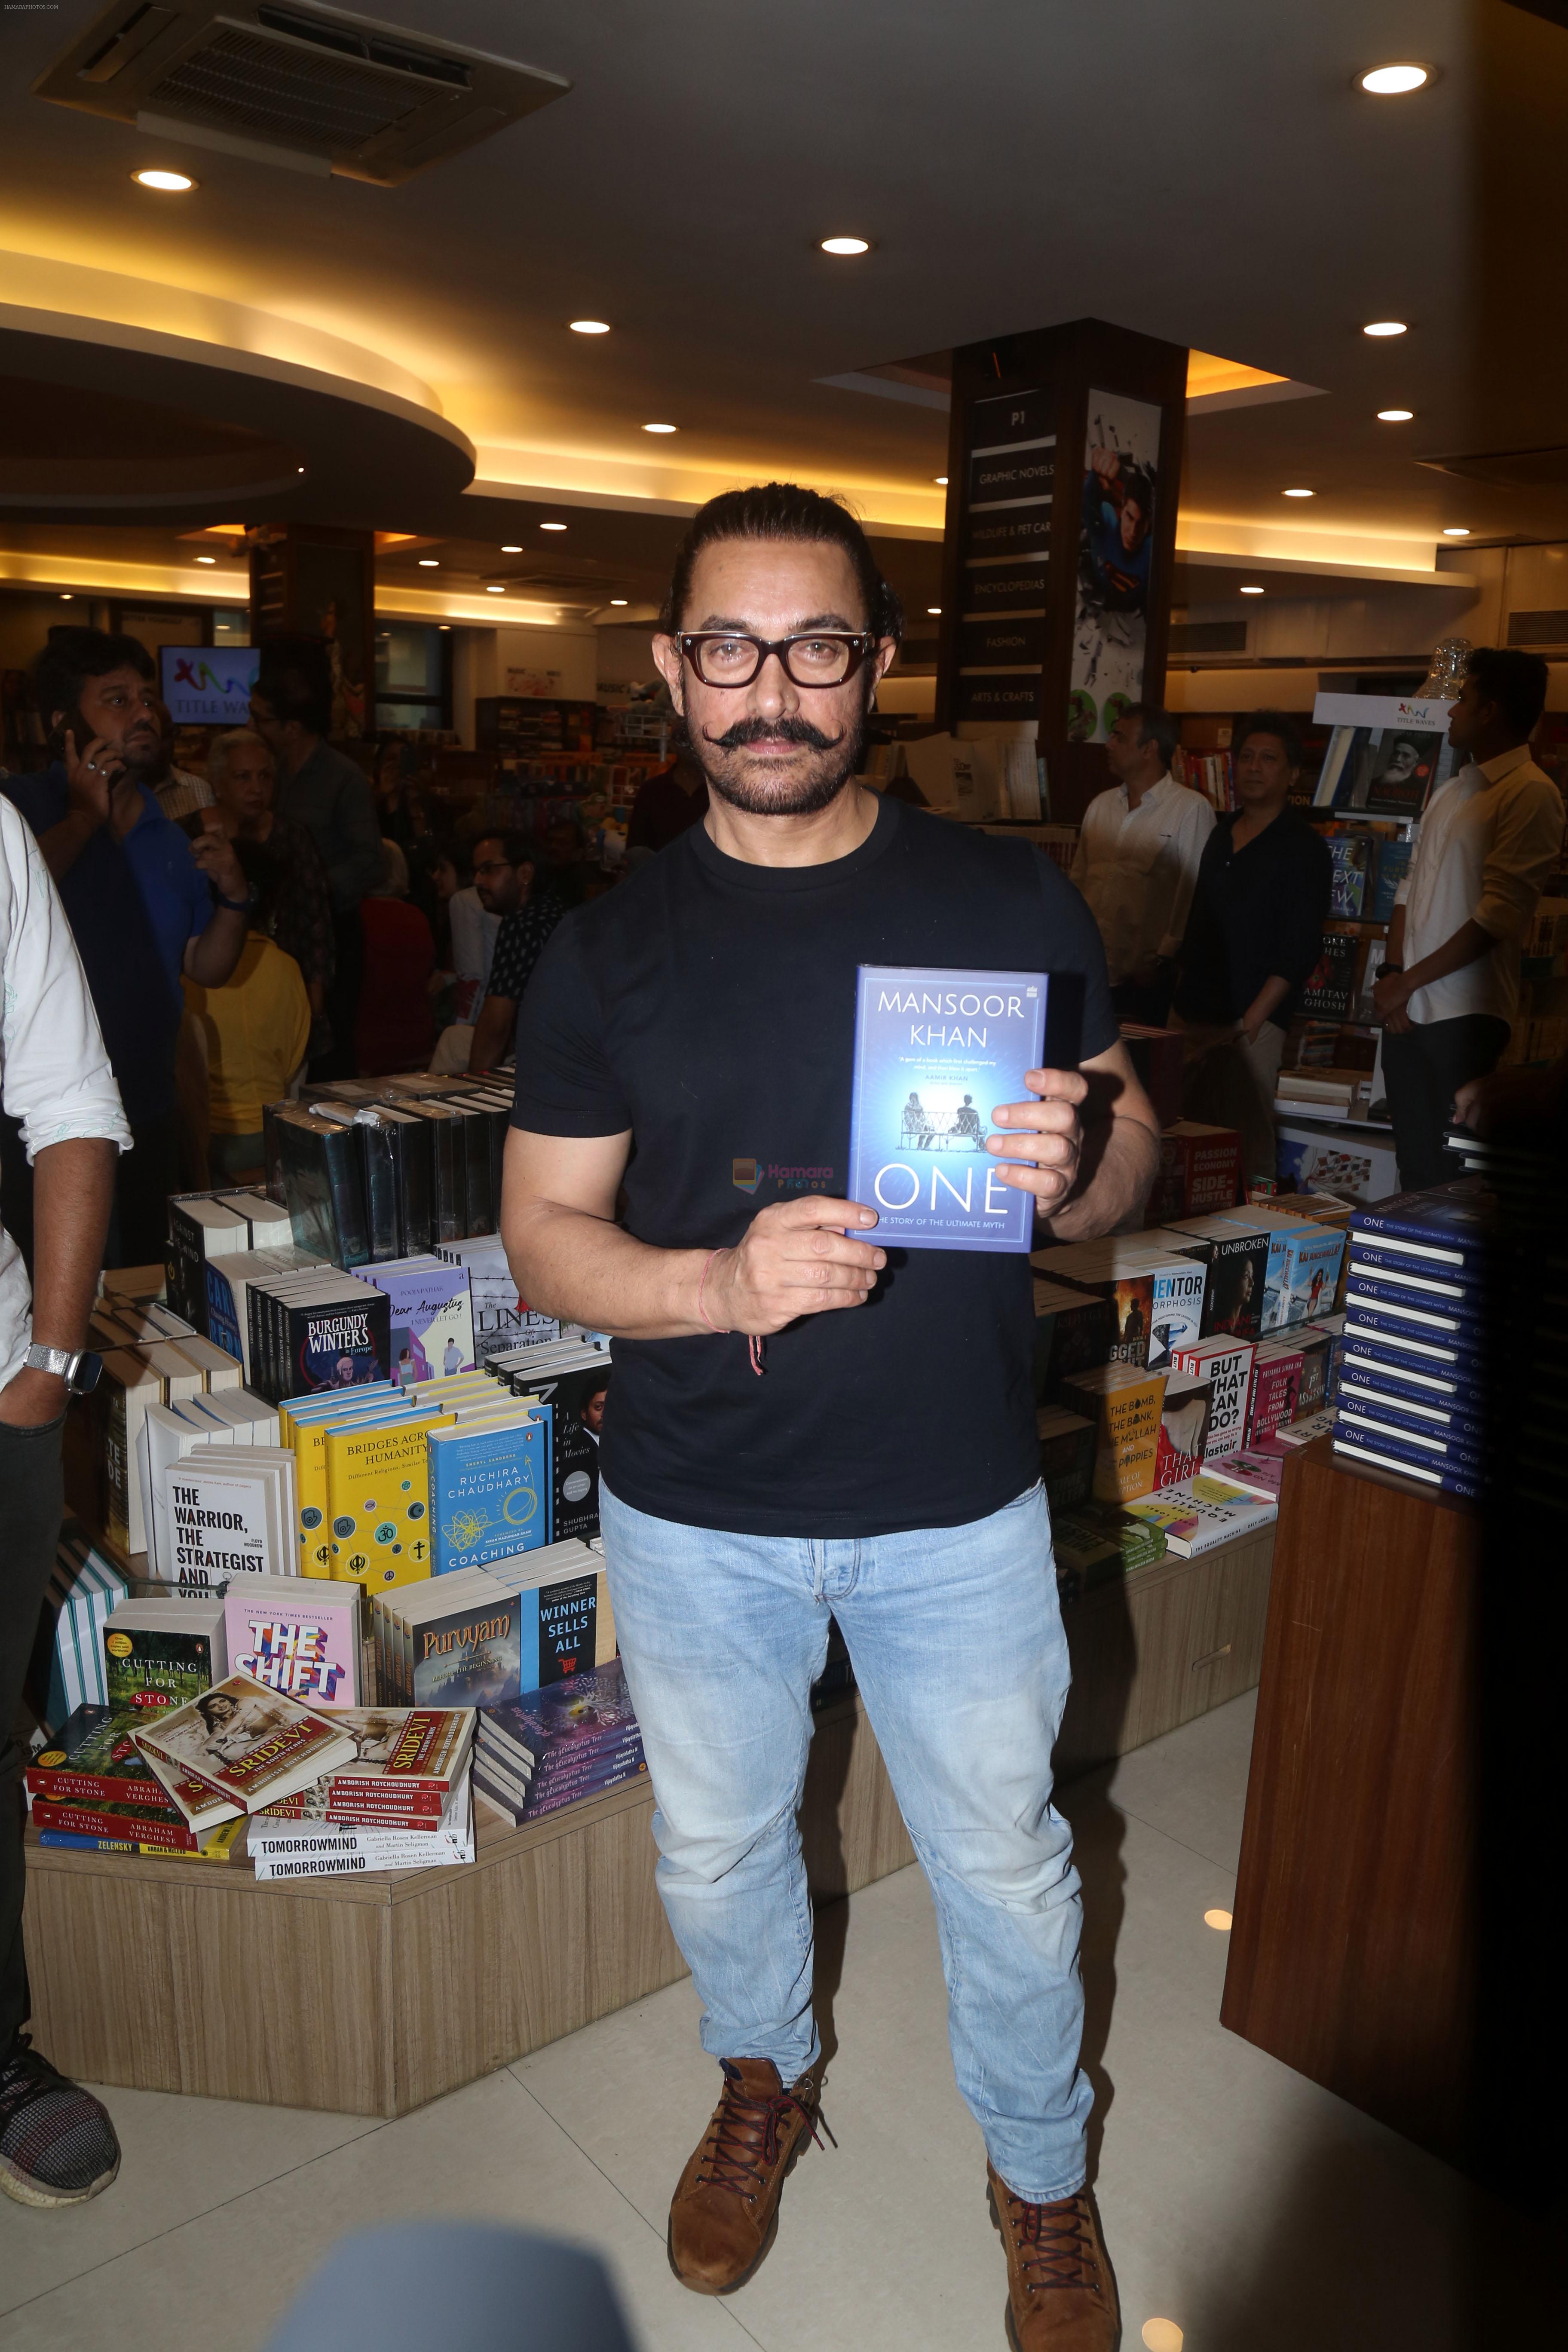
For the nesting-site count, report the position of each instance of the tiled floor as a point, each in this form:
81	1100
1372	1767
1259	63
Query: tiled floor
1240	2201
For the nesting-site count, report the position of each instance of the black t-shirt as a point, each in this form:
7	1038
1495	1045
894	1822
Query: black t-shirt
1255	912
708	1006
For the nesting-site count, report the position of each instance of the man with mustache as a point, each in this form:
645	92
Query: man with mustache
146	905
685	1046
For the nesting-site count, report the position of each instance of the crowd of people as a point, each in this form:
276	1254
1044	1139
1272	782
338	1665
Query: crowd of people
1216	924
285	917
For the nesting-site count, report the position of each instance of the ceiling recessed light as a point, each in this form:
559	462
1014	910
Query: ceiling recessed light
845	245
1393	81
1217	1919
206	559
1455	531
590	326
1248	590
445	626
66	597
1385	327
933	608
1394	416
429	564
658	429
298	469
1297	494
511	551
552	526
495	589
620	600
168	184
940	481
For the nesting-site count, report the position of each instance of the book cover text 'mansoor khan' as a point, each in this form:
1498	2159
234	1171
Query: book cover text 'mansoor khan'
935	1052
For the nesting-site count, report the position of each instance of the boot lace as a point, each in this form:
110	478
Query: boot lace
1054	2242
736	2158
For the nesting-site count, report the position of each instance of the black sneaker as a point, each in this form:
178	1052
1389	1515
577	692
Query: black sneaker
56	2144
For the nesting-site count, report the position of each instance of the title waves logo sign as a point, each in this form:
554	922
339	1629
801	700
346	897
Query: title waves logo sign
209	688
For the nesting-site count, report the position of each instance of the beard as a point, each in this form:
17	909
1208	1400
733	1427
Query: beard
143	759
801	794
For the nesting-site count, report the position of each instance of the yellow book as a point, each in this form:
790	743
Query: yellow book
1124	1404
308	1439
378	1500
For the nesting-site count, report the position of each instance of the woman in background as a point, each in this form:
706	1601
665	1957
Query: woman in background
281	863
255	1029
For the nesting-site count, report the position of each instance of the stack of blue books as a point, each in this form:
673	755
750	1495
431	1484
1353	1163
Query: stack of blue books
1419	1337
574	1738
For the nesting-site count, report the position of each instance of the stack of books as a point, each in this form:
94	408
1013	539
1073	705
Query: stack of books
1417	1338
574	1739
89	1788
487	1635
372	1170
401	1802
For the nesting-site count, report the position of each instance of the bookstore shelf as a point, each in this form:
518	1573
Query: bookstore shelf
374	1993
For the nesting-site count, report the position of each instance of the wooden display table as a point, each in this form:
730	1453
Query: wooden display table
370	1995
1351	1953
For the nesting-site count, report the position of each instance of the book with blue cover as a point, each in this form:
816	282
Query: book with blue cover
1448	1479
936	1050
490	1489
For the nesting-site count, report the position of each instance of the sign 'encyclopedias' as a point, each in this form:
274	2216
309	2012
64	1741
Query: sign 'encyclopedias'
935	1052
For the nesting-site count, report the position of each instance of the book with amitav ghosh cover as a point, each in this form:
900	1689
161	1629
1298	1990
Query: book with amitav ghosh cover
936	1050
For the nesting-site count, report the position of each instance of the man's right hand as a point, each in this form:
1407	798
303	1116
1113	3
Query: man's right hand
90	777
796	1258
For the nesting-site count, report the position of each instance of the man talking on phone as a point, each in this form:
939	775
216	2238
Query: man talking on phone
802	1422
146	905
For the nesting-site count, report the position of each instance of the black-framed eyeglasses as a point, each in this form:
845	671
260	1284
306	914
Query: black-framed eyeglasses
815	657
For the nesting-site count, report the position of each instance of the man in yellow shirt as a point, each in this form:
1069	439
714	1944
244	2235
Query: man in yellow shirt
257	1029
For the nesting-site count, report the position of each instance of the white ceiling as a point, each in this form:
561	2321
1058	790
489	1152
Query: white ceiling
1205	172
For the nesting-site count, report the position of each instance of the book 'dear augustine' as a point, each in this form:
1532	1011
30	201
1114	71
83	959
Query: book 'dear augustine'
936	1050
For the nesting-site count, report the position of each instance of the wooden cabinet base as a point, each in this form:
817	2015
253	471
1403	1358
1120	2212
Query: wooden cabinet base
370	1995
1351	1952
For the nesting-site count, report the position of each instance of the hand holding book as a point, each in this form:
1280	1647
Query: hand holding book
795	1258
1044	1156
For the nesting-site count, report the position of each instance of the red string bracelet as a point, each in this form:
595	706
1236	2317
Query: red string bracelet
753	1345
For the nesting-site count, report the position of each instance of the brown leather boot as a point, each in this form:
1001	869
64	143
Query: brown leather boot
1061	2296
725	2210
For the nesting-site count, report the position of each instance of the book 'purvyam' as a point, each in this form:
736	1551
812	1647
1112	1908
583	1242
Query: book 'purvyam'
935	1052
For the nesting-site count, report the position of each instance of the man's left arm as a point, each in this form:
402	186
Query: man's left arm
73	1191
1087	1146
212	952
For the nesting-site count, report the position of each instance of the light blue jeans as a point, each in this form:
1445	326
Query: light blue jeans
957	1642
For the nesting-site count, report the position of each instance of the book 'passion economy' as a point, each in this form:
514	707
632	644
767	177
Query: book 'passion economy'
935	1052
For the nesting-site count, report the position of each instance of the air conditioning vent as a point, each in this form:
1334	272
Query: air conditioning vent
306	86
1538	628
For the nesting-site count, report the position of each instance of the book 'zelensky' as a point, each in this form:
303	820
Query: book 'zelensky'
935	1052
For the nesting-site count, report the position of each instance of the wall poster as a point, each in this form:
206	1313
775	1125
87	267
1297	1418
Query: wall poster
1120	490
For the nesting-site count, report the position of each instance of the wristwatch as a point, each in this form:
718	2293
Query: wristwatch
80	1368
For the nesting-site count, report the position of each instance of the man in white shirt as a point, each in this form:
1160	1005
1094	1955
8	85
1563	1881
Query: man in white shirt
1137	860
1489	838
56	2144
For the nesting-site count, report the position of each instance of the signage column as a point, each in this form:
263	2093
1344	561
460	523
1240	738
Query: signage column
1064	464
308	581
